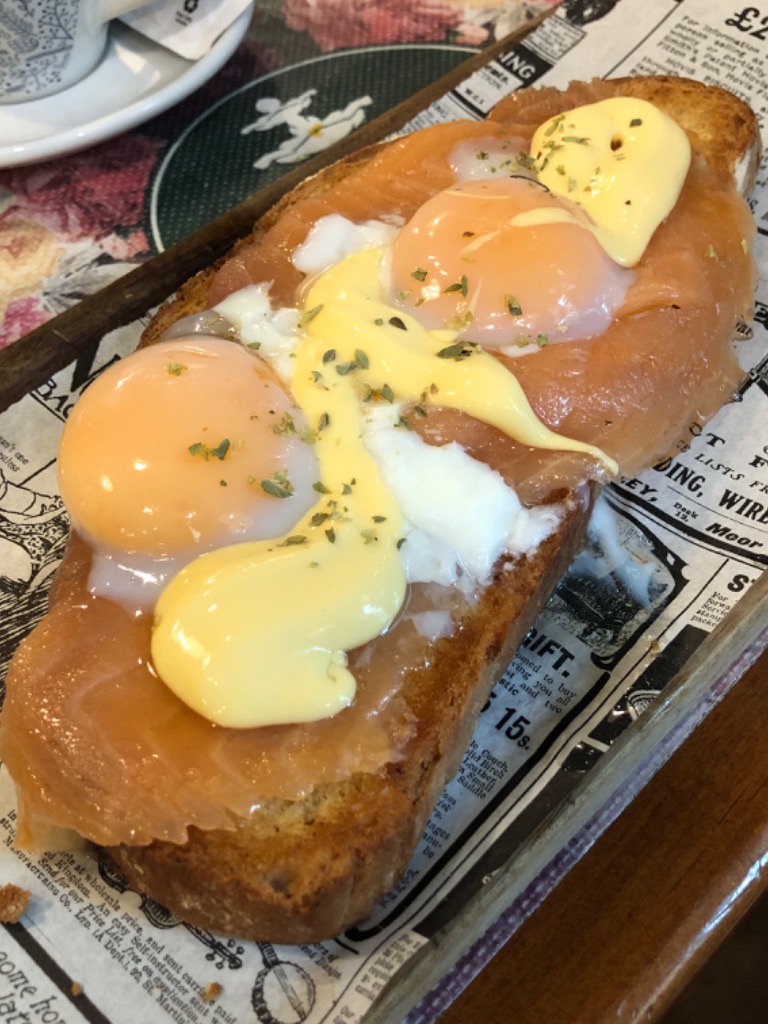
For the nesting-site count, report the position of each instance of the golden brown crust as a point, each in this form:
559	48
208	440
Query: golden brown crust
306	870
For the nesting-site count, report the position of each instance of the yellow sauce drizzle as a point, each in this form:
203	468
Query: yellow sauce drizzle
255	634
622	161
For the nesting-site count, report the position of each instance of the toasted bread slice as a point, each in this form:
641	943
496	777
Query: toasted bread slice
305	869
300	871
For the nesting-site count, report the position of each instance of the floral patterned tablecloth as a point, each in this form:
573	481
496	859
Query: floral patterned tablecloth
72	225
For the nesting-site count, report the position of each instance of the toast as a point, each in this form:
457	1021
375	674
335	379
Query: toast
305	868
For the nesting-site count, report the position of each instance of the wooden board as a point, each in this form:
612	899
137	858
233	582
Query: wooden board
632	756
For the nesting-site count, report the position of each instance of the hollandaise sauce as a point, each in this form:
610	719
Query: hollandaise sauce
622	161
286	610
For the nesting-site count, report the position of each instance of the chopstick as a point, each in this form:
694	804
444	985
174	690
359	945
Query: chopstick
33	359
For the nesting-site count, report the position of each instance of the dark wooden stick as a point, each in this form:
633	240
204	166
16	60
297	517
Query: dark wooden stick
29	362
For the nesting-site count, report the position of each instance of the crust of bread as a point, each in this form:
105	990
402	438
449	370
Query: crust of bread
302	871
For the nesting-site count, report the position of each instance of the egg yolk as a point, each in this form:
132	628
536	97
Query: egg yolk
186	445
505	263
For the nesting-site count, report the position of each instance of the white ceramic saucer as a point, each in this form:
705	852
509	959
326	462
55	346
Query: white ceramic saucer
136	80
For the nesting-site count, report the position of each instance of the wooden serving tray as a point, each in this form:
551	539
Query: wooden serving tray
588	805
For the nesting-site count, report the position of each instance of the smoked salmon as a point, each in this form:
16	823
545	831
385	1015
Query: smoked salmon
97	744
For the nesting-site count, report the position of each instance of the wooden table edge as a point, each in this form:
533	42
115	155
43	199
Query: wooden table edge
620	937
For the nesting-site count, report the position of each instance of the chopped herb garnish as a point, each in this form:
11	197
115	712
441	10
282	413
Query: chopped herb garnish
459	350
176	369
395	321
223	483
560	168
458	323
401	542
420	274
320	487
279	486
542	340
296	538
572	183
331	535
460	286
513	306
580	139
379	321
369	535
711	252
360	362
385	392
255	345
319	518
403	422
635	122
285	426
346	488
323	422
379	519
219	452
556	122
310	315
468	234
336	515
329	355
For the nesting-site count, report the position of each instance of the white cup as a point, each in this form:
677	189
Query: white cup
48	45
